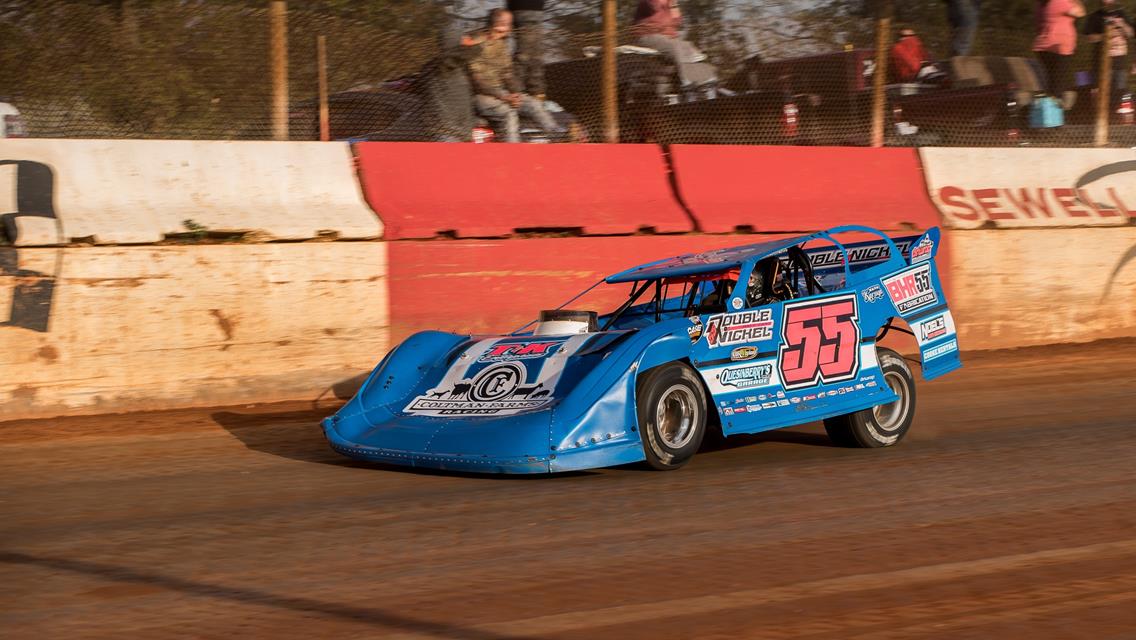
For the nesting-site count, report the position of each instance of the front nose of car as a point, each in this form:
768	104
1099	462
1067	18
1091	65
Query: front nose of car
517	436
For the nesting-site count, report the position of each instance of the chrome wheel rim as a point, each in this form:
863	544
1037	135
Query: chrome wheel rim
675	416
889	417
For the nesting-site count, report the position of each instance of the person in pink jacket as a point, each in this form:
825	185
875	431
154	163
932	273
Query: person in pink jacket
1056	42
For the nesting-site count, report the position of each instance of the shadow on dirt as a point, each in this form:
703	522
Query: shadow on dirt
246	595
297	435
794	436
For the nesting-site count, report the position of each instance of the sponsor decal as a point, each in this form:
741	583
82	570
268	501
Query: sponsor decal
872	293
1037	205
871	383
782	403
849	389
496	390
736	304
921	252
795	400
934	328
768	405
753	407
498	378
508	352
820	342
943	349
723	403
727	411
839	391
859	386
911	289
761	397
810	397
751	398
740	410
695	329
739	400
745	377
724	329
857	255
822	394
743	353
780	394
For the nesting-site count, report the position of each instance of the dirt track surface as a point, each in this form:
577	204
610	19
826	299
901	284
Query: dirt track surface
1009	512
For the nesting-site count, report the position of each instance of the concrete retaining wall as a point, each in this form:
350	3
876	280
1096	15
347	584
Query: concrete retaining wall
1031	287
88	329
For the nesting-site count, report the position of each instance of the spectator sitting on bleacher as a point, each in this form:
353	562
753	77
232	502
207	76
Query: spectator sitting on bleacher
656	23
907	61
907	57
498	97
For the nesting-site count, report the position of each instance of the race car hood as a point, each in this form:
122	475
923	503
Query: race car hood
467	403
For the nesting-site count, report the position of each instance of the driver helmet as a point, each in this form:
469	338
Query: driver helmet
755	286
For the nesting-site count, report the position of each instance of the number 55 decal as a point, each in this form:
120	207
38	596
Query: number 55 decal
820	342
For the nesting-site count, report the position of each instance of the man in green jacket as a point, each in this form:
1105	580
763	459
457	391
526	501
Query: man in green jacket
498	96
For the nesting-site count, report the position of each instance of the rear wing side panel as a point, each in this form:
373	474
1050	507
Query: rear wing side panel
917	294
915	290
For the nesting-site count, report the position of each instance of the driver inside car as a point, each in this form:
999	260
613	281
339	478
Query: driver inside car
767	284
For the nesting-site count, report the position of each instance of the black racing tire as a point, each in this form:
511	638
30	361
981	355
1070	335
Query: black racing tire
671	405
884	425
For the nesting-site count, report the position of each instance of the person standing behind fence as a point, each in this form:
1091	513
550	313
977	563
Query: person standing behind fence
1055	43
1120	32
499	98
963	17
528	52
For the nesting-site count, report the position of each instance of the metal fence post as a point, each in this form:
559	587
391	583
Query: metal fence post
278	18
611	108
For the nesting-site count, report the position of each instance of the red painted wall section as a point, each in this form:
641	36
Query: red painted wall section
490	190
794	189
489	286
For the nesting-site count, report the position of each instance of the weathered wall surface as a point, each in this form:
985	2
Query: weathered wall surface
1043	286
138	191
116	329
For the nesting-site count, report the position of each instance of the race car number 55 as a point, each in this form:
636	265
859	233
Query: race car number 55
820	342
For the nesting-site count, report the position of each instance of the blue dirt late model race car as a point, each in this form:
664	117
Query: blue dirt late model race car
737	340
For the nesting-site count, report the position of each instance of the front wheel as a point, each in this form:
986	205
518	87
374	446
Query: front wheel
883	425
671	405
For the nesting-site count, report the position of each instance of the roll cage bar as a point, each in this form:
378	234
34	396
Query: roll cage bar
798	266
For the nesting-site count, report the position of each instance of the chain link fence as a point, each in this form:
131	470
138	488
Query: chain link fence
784	73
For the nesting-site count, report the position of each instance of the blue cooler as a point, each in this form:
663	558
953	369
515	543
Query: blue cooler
1046	113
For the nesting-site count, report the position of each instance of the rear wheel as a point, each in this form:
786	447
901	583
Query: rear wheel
671	405
883	425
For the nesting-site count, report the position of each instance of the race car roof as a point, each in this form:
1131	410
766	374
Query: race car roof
707	261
